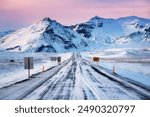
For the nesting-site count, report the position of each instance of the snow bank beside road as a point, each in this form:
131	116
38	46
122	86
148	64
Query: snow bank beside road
128	63
12	72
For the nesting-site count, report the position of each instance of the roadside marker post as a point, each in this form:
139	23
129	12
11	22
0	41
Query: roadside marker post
43	68
28	64
113	70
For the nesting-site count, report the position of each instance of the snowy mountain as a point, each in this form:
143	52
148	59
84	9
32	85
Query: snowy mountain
116	32
135	39
98	33
46	35
2	34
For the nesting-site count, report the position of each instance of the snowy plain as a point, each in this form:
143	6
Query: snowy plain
12	72
131	64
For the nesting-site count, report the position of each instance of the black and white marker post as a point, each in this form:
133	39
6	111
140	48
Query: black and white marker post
28	64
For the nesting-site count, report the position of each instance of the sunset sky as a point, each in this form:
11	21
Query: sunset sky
16	14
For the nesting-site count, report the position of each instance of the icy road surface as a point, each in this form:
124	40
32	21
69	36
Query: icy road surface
74	79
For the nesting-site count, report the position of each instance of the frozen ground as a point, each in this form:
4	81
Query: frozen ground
79	78
131	64
12	72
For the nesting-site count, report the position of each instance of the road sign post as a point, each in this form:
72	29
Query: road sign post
96	59
53	59
59	60
28	64
28	73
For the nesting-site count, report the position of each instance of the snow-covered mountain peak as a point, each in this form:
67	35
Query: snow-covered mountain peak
107	31
96	18
134	20
96	21
131	18
47	19
46	35
41	26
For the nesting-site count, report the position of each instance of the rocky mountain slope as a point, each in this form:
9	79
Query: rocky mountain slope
122	32
4	33
98	33
46	35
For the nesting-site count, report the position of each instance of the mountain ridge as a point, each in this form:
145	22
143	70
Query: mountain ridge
50	36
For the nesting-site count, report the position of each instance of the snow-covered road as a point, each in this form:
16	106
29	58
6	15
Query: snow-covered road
74	79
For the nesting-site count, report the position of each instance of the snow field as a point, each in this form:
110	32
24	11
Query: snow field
133	65
11	72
